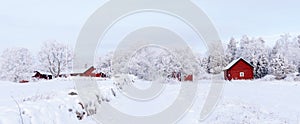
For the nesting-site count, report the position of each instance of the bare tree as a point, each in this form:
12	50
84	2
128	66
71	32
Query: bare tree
55	58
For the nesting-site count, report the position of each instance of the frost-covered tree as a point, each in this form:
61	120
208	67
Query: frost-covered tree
16	64
288	47
262	65
215	58
141	64
278	66
155	62
214	64
231	51
297	50
103	64
55	58
188	61
298	41
298	67
202	64
251	49
259	57
244	50
151	63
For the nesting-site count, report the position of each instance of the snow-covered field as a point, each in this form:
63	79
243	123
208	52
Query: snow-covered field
254	102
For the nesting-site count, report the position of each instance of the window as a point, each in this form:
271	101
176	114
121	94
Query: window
242	74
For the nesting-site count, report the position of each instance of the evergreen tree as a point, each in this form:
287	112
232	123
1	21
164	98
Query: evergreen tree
261	68
278	66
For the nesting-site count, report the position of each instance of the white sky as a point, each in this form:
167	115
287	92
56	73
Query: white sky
28	23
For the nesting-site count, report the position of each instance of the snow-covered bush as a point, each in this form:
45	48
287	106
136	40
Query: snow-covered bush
268	78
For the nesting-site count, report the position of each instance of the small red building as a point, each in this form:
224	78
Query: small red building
239	69
188	78
180	77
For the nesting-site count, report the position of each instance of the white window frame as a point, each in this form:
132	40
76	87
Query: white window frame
242	74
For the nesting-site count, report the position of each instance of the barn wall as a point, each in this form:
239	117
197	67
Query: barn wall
241	66
89	73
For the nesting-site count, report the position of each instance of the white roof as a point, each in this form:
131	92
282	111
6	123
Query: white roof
234	62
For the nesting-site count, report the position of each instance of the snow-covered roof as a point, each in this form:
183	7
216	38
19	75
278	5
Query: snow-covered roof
234	62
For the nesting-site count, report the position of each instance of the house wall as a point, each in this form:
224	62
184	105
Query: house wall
235	70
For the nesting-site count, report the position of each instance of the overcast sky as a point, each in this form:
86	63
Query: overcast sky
28	23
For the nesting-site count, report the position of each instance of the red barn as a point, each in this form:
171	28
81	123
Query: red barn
90	72
239	69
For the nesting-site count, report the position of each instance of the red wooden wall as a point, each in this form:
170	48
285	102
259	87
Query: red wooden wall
234	72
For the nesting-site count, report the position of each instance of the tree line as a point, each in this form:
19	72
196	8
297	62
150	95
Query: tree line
19	63
147	63
152	62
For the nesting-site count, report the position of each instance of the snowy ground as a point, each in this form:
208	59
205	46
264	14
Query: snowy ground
48	102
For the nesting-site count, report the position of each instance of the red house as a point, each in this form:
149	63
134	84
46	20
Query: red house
239	69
